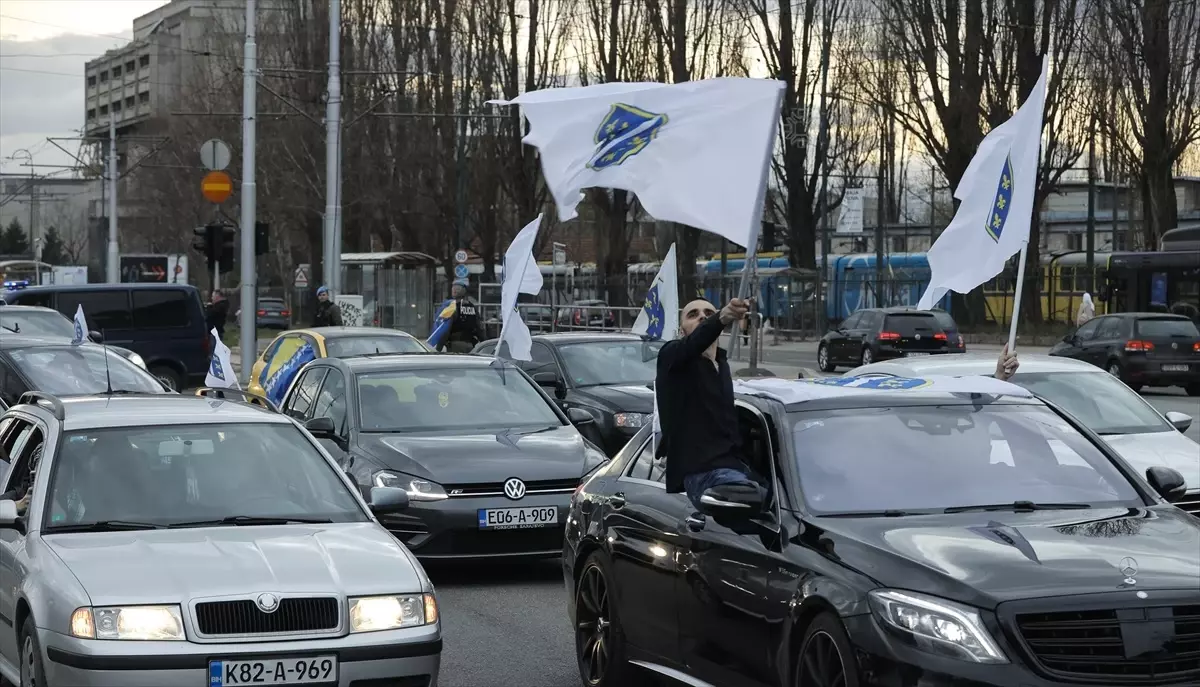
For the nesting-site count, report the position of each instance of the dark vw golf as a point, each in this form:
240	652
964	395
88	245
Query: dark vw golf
933	536
488	460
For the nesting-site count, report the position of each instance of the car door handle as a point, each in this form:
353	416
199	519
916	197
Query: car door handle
695	522
617	500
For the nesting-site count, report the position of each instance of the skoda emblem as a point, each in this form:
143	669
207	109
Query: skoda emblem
514	489
1174	346
1129	569
918	337
267	603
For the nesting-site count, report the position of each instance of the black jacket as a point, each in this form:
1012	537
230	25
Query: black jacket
465	326
216	315
695	406
328	314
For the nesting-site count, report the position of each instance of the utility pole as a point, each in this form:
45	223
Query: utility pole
333	151
880	216
823	150
932	201
248	320
114	252
1091	205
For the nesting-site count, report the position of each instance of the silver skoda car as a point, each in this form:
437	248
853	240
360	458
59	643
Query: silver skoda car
153	541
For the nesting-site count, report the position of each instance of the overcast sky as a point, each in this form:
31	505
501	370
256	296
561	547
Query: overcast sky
43	47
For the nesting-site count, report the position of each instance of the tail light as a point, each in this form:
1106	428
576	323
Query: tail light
889	336
961	343
578	317
939	337
1140	346
1196	347
262	312
285	313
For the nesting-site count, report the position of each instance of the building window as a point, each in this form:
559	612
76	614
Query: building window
144	97
130	102
130	67
103	110
92	80
116	107
116	71
91	113
144	61
104	76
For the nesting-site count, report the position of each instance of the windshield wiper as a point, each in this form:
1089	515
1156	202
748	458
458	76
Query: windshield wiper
874	514
1019	507
106	526
251	520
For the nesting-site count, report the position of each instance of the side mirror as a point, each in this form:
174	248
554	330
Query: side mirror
547	379
1180	421
1167	482
1069	339
320	427
580	417
96	336
732	501
386	500
9	520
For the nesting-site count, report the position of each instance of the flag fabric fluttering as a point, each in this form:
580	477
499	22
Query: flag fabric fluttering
693	152
81	330
659	318
521	275
220	369
996	194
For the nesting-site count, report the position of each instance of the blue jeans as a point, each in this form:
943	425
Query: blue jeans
697	484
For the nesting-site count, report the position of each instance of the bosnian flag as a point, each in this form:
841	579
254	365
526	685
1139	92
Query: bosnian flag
659	319
81	329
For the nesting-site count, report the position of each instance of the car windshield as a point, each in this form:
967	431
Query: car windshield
1167	327
81	371
1099	401
194	475
350	346
35	323
606	363
480	398
929	458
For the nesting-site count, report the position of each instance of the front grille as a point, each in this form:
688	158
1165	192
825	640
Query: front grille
485	542
1128	646
542	486
1190	503
295	615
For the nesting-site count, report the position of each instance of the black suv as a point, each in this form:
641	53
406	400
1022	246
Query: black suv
1139	348
877	334
910	535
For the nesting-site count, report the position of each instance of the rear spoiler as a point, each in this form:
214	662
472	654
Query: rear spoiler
238	395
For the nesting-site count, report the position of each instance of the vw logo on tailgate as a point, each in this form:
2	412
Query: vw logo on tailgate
514	489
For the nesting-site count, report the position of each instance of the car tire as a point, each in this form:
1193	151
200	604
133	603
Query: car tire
33	674
168	376
867	357
826	657
600	650
823	360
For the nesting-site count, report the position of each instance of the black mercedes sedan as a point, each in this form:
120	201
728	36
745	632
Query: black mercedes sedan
487	458
972	535
611	376
55	366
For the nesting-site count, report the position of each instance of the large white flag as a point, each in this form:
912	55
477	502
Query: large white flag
80	324
521	275
694	152
220	369
992	222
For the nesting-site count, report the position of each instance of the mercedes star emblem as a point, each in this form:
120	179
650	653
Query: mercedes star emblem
267	603
1129	568
514	489
1174	346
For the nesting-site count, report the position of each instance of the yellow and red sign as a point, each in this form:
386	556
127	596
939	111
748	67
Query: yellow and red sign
216	187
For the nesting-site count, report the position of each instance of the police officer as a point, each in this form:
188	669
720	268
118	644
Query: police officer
464	329
328	313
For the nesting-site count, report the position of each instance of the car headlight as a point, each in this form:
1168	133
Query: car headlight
631	420
417	489
937	625
154	623
374	613
137	360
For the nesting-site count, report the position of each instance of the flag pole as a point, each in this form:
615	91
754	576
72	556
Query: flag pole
1016	311
756	217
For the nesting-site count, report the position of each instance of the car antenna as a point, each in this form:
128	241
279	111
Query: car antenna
107	375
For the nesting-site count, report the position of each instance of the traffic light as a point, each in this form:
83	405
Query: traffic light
228	241
262	238
207	238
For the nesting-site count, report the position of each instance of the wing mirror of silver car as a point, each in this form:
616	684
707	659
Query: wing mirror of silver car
9	519
95	336
1167	482
388	500
1180	421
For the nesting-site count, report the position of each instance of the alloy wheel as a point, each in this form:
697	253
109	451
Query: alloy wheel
28	661
823	357
821	663
593	633
1114	370
867	356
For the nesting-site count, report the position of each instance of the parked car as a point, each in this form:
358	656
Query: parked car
587	314
163	323
272	313
488	461
1143	436
915	531
176	540
275	369
58	367
886	333
36	321
1139	348
611	376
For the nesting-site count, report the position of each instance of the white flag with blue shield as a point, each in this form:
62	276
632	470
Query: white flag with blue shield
521	275
220	370
992	222
81	329
659	319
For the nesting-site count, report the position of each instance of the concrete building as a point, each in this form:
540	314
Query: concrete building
43	202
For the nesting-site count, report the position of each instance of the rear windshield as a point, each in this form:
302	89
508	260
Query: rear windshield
944	321
349	347
1167	326
907	324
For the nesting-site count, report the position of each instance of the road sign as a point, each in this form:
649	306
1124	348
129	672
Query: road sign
460	256
461	271
301	278
144	269
216	187
214	155
560	254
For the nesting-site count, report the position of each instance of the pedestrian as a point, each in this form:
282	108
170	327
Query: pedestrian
1087	310
464	331
328	313
700	434
217	313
